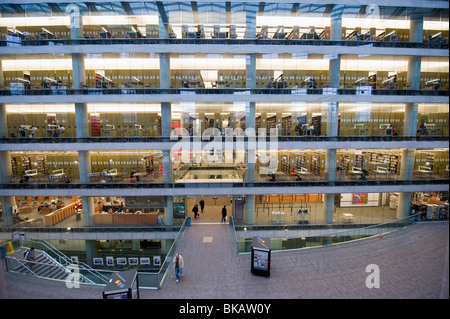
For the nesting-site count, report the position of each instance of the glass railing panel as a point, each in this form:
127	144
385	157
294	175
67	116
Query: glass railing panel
323	235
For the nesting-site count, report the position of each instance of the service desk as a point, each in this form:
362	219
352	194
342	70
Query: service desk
126	218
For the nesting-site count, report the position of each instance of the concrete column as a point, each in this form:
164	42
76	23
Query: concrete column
88	211
168	211
410	119
164	70
406	173
328	208
167	166
332	114
5	171
2	80
84	166
3	121
5	167
91	251
413	76
250	76
407	164
404	205
416	28
7	203
335	71
250	21
166	118
336	22
251	153
249	209
82	119
163	28
76	22
78	70
330	164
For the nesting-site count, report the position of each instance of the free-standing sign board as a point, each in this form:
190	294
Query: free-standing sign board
261	256
122	285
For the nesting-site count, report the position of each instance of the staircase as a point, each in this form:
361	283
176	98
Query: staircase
51	264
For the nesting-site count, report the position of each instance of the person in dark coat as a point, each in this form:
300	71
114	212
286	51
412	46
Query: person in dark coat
195	210
202	205
224	213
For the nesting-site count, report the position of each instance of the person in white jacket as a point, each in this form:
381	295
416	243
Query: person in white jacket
178	266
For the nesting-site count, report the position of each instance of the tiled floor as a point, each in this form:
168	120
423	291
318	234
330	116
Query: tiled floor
413	263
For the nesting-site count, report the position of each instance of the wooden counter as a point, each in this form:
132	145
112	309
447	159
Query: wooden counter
126	219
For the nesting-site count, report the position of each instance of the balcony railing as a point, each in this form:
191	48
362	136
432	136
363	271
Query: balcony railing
224	91
170	185
167	139
262	42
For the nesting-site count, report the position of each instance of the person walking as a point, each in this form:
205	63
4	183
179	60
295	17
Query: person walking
178	266
202	205
195	210
224	213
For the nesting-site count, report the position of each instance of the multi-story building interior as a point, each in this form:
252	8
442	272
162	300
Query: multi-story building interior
117	118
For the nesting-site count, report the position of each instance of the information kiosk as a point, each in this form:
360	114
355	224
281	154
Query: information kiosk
261	256
122	285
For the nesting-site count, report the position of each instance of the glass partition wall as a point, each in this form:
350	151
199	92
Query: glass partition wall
220	70
270	209
217	164
225	20
289	119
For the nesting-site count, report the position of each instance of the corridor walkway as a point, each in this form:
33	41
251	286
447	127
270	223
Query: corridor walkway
413	264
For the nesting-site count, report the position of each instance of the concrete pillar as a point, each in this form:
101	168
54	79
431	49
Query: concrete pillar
404	205
250	21
414	62
164	70
330	164
88	211
413	75
2	80
82	119
406	173
407	164
250	75
91	251
76	22
3	121
84	166
251	152
5	167
336	22
335	71
416	28
410	119
166	118
328	208
249	209
168	211
332	113
167	166
7	203
78	70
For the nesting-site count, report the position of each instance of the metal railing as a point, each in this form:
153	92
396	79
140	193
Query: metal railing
259	42
280	138
214	91
88	275
170	185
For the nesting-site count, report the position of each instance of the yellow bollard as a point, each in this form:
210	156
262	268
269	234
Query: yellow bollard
10	249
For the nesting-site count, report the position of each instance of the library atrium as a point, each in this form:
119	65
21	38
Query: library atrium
304	120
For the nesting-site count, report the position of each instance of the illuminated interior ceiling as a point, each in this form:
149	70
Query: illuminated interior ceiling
217	62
